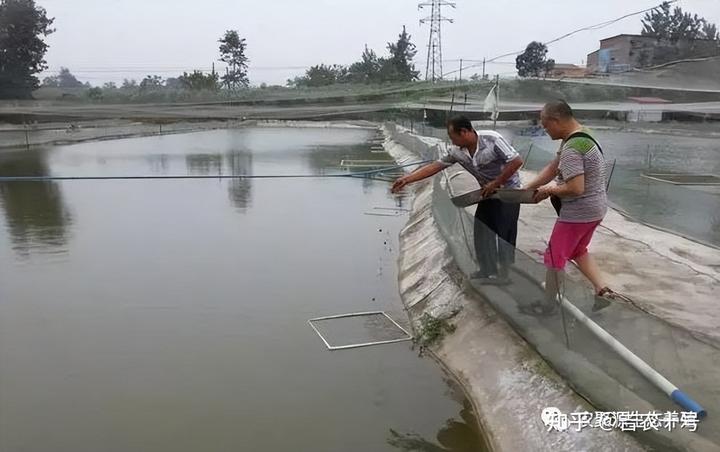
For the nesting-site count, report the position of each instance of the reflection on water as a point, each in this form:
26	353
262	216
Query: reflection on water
35	212
240	190
236	163
159	163
455	436
204	164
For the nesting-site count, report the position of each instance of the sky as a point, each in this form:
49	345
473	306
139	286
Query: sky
109	40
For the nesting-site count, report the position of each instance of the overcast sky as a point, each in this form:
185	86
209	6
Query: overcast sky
103	40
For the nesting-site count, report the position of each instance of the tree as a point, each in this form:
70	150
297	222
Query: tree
321	75
95	93
129	84
477	77
658	22
198	81
367	70
51	82
67	80
110	85
709	31
151	83
549	66
232	52
64	79
532	62
676	25
399	66
173	83
22	49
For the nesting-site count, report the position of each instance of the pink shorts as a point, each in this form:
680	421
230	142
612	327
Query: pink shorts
568	241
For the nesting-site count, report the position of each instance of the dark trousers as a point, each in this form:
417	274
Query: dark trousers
493	219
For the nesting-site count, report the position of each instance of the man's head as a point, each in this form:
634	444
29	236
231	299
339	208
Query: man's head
461	132
557	119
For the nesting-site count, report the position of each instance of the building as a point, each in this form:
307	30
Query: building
645	109
623	52
567	71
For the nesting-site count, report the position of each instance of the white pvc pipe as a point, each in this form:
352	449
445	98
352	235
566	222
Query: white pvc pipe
638	364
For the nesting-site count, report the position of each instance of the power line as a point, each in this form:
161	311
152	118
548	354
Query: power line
566	35
180	69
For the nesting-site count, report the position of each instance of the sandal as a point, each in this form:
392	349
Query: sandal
605	295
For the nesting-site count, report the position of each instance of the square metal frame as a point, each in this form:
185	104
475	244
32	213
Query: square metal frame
363	344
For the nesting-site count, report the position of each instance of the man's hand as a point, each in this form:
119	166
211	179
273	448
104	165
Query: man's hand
399	184
490	188
543	192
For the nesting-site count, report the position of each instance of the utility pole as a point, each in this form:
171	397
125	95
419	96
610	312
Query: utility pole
483	77
433	66
27	136
497	101
461	69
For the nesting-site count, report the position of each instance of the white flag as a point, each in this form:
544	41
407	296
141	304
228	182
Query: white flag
490	104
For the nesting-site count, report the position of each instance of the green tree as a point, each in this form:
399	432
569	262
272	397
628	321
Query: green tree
399	66
197	81
173	83
95	93
129	84
22	49
151	83
710	31
64	79
51	82
321	75
532	62
675	25
549	66
232	52
367	70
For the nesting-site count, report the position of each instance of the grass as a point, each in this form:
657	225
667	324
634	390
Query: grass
433	329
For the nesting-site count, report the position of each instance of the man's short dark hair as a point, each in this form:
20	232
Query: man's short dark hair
458	123
558	109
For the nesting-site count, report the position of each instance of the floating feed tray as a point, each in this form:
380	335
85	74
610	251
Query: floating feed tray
684	179
384	214
359	329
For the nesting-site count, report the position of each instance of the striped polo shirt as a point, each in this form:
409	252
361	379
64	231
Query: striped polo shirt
580	155
493	152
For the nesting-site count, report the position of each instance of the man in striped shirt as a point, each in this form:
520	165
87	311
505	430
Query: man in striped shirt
580	190
487	156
